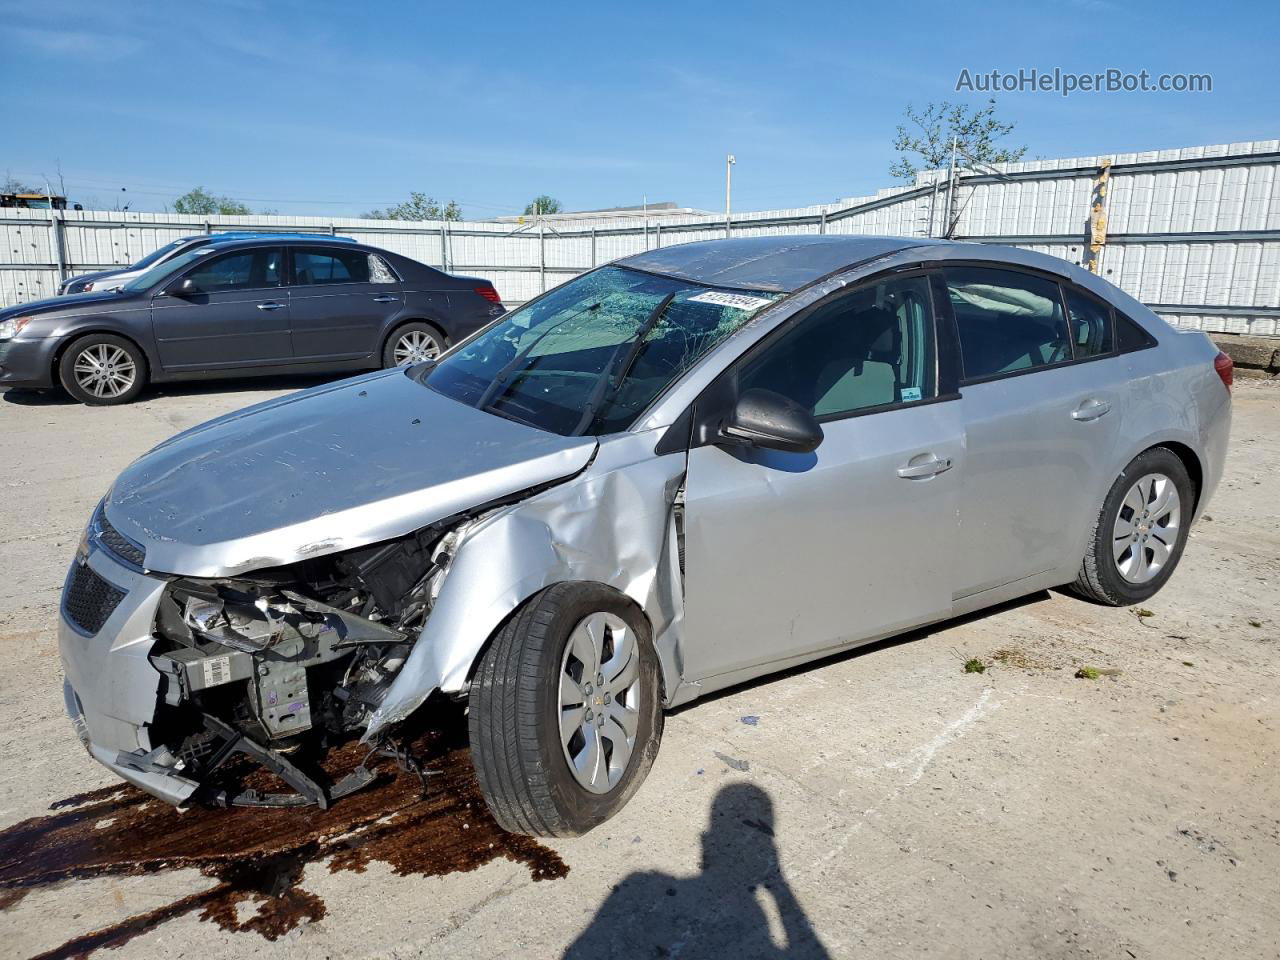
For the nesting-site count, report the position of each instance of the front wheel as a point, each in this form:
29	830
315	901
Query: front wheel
565	711
102	370
1140	532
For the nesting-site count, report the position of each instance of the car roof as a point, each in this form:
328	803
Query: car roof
781	264
232	237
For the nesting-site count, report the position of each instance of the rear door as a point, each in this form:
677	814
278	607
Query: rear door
1042	403
342	301
236	313
789	554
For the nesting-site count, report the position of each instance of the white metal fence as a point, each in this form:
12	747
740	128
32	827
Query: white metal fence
1193	232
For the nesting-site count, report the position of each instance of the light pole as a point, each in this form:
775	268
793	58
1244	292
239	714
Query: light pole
729	161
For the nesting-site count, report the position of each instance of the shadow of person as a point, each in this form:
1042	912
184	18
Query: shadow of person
721	912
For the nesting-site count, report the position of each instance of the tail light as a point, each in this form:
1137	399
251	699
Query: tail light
1225	369
489	294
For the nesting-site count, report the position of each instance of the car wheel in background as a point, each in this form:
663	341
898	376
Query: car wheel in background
102	370
565	711
412	343
1140	532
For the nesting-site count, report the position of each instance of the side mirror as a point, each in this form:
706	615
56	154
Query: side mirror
182	288
766	419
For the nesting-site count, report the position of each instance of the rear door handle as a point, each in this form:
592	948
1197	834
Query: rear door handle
385	298
270	305
1090	409
925	468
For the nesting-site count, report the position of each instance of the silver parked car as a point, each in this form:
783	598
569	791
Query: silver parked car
686	469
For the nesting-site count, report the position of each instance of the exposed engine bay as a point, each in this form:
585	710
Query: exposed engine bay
279	665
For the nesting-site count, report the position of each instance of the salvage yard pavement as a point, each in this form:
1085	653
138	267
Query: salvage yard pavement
1105	785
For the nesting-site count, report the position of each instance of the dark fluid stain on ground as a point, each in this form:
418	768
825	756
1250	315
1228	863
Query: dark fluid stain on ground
257	856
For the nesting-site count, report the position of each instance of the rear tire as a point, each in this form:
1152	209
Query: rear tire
1140	532
103	370
524	732
413	342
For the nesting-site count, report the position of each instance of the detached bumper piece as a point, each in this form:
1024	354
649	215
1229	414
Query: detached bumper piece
225	743
308	791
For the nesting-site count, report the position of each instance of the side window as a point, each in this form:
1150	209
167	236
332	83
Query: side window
1130	336
327	265
1008	321
871	347
379	272
242	270
1092	331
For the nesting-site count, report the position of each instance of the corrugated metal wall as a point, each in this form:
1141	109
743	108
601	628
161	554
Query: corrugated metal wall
1193	232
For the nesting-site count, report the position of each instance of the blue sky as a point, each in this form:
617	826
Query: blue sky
334	108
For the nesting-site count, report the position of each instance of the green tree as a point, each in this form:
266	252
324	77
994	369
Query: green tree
926	138
542	205
418	207
201	201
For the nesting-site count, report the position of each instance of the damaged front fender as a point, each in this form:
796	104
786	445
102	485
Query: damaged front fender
613	524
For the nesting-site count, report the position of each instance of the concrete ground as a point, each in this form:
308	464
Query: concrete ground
883	804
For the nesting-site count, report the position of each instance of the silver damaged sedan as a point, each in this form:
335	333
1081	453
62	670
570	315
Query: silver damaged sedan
677	472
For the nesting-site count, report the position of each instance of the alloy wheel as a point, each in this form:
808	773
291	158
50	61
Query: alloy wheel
105	370
599	700
415	346
1146	528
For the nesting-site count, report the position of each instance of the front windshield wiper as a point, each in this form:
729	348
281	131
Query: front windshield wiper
491	392
597	395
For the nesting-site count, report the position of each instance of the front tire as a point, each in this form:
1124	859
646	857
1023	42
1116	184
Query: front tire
1140	532
565	711
103	370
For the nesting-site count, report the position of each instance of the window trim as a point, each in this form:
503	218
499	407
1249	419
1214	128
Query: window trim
280	285
718	391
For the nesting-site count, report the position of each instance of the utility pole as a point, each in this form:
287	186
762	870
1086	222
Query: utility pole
951	190
729	161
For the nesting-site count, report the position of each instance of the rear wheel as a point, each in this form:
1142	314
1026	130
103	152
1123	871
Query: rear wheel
412	343
565	711
1140	532
102	369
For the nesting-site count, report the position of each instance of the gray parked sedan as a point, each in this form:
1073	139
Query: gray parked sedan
238	307
686	469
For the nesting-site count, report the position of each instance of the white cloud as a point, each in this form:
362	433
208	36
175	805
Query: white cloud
72	43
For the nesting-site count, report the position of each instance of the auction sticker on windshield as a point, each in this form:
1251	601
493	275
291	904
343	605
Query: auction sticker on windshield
739	300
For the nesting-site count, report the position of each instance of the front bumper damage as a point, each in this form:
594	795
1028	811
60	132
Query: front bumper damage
172	682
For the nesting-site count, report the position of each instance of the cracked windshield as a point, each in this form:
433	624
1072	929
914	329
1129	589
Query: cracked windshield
588	358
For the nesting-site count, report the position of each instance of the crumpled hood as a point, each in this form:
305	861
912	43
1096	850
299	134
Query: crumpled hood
328	469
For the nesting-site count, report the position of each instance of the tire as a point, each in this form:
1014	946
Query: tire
1121	570
412	343
103	370
515	712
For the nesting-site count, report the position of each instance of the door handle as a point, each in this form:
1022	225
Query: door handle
270	305
385	298
926	468
1090	409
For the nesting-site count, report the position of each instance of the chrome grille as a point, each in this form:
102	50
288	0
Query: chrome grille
88	600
